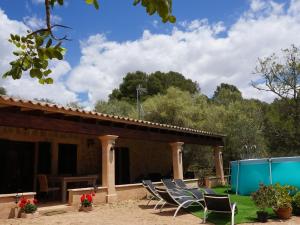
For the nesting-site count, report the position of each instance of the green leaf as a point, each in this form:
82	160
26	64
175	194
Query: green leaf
36	73
89	2
136	2
96	4
17	37
39	41
49	80
58	55
61	2
47	72
172	19
49	43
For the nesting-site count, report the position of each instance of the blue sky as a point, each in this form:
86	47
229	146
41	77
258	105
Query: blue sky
213	41
120	20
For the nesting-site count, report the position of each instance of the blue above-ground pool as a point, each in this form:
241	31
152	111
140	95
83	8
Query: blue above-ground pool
246	175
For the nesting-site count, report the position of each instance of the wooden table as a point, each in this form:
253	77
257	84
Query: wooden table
64	180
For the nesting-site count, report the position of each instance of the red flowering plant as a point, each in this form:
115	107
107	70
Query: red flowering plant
27	206
87	199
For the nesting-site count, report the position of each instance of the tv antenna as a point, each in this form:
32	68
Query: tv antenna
139	91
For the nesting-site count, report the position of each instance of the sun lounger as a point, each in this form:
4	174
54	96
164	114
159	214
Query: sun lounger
220	204
153	191
172	197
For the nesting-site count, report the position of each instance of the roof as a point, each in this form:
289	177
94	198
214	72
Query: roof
48	107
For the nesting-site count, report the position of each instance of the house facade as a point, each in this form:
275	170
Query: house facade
42	138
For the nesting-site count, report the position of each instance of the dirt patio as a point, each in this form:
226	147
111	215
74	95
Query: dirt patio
125	213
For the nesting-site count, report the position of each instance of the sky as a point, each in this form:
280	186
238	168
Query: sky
213	41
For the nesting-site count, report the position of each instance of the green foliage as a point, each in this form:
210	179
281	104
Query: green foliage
2	91
226	94
282	197
115	107
296	200
155	83
30	208
281	76
162	7
264	197
33	55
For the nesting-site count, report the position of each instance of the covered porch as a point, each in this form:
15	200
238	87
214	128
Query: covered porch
85	151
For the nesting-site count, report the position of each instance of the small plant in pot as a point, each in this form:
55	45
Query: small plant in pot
296	204
28	208
86	202
263	199
283	201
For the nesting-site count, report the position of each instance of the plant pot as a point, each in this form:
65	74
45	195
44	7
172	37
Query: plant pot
86	209
284	213
29	215
262	216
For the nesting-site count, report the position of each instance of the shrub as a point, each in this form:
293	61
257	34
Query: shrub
282	196
264	197
296	200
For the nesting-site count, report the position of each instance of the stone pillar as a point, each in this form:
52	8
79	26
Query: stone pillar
108	166
219	163
54	158
177	159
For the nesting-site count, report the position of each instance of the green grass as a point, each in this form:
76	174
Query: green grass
246	210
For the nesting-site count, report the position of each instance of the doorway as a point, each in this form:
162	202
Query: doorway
17	166
122	164
67	159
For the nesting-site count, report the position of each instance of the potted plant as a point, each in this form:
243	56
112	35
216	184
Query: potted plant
86	202
28	208
283	201
296	204
263	199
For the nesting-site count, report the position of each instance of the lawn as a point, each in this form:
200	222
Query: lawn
246	210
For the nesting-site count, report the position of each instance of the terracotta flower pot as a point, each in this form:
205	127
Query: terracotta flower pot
86	209
284	213
29	215
262	216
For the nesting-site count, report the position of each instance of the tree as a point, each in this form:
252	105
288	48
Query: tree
75	105
155	83
116	107
38	47
281	76
2	91
227	93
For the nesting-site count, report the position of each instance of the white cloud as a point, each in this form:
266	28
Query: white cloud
27	87
34	22
195	49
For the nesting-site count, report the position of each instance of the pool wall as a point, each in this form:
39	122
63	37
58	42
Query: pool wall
246	175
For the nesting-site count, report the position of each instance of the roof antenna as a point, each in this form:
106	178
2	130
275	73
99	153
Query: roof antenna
139	91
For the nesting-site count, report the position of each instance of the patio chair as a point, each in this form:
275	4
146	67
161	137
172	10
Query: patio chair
171	197
179	184
220	204
153	191
43	185
169	184
208	191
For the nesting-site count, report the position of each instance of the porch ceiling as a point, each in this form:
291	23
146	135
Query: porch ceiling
44	116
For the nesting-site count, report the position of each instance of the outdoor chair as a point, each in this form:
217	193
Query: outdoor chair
220	204
208	191
172	197
153	191
43	185
179	184
169	184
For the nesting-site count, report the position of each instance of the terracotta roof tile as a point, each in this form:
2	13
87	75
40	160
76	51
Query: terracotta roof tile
84	113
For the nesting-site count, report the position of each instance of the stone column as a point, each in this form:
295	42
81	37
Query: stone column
177	159
219	163
54	158
108	166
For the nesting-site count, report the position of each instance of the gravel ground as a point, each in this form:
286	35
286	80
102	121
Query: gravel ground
125	213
